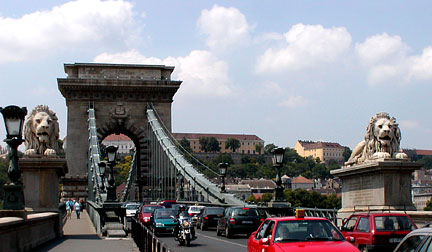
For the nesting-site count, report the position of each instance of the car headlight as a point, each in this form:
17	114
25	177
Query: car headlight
159	224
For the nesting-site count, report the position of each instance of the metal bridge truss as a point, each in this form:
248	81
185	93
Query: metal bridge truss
167	161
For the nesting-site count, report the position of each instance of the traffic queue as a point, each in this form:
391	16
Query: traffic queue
360	232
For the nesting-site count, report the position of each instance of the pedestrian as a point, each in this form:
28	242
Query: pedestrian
77	207
69	207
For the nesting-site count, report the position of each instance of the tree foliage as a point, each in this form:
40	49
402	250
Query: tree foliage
347	153
185	144
426	161
303	198
122	170
428	205
232	143
209	144
259	147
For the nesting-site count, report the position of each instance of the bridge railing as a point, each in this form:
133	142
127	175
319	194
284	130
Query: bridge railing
94	174
145	239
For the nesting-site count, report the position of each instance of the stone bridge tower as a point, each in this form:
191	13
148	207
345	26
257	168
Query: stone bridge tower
119	93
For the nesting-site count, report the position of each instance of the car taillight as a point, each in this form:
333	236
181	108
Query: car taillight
191	214
206	218
232	221
261	220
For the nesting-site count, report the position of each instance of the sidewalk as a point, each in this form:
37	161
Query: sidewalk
80	235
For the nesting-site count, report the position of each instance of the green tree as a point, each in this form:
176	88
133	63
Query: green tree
204	144
428	205
269	148
266	197
258	148
426	161
347	153
232	143
122	170
185	144
213	145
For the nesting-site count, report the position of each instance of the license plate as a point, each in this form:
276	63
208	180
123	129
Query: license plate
395	240
247	222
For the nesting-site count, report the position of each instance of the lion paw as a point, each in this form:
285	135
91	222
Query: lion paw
50	152
30	152
401	155
378	155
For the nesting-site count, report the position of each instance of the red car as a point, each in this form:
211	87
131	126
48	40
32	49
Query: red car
377	231
146	211
299	233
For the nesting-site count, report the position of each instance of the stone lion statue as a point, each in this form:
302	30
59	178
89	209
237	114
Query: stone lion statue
381	140
41	132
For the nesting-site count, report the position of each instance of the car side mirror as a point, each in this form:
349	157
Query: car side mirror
254	233
350	238
264	241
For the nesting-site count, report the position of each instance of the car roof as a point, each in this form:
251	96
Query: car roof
379	214
421	231
293	218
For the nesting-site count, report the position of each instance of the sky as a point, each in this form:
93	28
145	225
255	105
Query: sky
282	70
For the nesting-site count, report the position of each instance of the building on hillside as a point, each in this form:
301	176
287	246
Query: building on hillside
247	142
123	142
243	191
323	150
301	182
260	185
415	154
419	200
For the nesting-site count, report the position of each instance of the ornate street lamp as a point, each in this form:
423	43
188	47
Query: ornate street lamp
112	157
13	117
102	169
278	155
222	171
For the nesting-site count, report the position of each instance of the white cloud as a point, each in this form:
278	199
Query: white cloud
271	88
382	73
409	124
201	72
307	46
421	67
82	22
381	48
294	101
225	27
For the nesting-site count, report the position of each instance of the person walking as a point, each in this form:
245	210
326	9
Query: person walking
77	208
69	207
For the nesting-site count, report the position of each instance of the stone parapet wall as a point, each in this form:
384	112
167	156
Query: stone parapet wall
17	234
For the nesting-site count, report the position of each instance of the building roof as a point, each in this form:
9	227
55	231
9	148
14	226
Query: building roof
319	144
301	180
120	137
260	184
424	152
240	137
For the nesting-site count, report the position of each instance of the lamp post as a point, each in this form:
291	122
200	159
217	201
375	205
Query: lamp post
102	169
278	155
112	157
222	171
13	117
180	184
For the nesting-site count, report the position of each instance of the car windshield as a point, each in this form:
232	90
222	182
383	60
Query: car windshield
194	209
150	209
245	212
164	214
215	210
132	206
306	230
393	223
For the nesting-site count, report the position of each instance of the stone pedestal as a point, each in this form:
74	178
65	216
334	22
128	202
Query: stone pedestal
41	182
376	186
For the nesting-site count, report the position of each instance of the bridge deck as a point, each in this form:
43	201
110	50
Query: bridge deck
80	235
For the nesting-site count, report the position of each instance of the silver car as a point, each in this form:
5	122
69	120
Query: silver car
417	240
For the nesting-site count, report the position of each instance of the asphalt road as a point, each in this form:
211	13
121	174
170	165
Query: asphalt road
208	241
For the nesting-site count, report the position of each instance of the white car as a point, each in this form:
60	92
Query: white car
193	212
131	209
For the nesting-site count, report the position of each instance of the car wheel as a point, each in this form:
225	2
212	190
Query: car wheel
202	226
227	233
218	232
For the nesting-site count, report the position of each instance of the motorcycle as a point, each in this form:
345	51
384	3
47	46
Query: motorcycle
184	235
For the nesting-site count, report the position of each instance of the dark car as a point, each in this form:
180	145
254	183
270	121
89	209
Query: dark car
377	231
417	240
238	220
146	211
209	217
163	221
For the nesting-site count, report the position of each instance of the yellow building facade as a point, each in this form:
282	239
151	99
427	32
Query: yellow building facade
325	151
247	142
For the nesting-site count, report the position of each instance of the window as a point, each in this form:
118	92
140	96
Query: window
261	231
411	243
363	225
350	224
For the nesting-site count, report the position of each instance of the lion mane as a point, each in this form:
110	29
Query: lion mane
381	140
41	132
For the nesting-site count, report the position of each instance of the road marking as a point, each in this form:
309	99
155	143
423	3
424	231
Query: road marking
222	240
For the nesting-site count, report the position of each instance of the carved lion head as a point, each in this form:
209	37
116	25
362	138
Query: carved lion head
382	135
41	132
